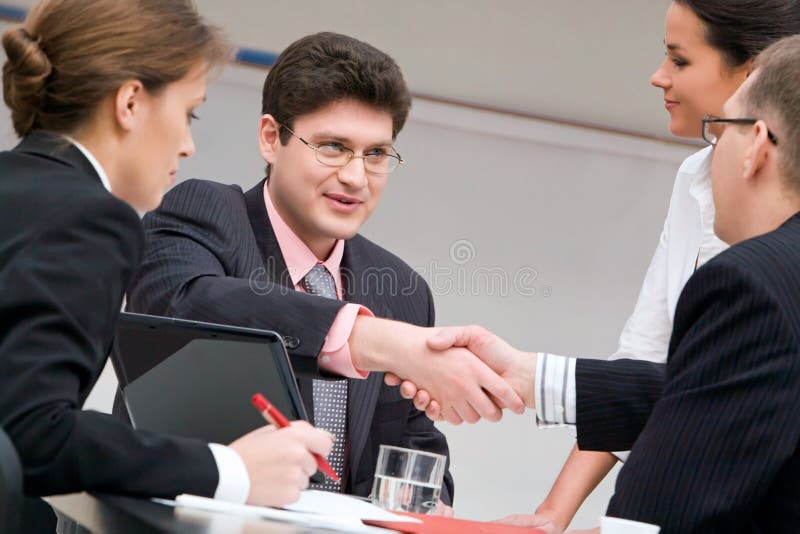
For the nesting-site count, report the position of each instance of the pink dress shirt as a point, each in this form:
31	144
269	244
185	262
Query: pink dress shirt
335	355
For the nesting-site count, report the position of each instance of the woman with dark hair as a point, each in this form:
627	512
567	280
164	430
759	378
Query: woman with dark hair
103	98
710	46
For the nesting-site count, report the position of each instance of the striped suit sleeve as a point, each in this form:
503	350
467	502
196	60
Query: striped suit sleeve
614	399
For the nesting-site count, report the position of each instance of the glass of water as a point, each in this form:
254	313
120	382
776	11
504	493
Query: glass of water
407	480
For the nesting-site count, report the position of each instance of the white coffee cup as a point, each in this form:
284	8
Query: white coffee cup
615	525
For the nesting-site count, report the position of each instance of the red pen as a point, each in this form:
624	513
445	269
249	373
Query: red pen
275	417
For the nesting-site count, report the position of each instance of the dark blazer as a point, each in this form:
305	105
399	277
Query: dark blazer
720	451
211	255
67	251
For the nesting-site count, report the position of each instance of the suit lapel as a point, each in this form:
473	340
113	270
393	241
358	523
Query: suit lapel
363	393
274	264
267	243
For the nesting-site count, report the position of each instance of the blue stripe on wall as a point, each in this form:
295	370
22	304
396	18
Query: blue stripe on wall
249	56
256	57
12	12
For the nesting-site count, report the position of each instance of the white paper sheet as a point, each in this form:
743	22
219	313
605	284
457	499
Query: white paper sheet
340	505
342	521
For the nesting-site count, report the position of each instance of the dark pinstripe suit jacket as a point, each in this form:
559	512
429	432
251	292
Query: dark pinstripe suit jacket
719	450
211	255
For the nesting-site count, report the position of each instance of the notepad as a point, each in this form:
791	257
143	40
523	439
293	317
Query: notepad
314	509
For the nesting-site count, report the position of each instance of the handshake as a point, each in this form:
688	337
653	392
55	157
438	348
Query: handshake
454	374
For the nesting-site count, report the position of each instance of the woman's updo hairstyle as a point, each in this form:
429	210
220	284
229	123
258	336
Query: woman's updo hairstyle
24	77
70	54
742	29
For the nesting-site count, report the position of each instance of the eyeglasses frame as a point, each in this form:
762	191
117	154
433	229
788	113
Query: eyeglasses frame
353	156
710	119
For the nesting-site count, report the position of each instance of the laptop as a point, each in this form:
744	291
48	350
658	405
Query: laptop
196	379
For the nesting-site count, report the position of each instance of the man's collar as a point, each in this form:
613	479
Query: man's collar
298	257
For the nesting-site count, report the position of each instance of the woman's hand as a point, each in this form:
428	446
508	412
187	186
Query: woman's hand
279	462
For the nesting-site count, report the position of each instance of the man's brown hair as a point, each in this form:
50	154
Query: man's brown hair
326	67
774	96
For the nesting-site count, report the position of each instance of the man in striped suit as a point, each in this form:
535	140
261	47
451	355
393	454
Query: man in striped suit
715	434
287	256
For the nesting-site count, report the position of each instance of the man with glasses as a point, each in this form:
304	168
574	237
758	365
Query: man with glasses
332	108
715	433
713	127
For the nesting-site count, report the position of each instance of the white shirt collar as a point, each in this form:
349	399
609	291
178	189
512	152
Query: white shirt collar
697	163
96	164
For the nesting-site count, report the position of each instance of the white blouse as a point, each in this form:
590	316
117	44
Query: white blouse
687	242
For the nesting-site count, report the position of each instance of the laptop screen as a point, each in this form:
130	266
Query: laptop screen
196	379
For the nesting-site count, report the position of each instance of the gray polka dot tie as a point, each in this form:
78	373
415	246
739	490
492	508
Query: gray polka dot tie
330	396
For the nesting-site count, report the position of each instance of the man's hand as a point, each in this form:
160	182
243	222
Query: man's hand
465	388
280	462
516	367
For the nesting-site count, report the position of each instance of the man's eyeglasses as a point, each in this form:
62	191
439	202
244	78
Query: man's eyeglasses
713	127
333	154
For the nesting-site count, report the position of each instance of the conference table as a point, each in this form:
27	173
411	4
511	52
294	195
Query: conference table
100	513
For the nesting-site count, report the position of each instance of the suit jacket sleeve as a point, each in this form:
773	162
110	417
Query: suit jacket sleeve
58	310
614	399
194	268
728	418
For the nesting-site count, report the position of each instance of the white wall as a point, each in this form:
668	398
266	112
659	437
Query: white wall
580	209
585	61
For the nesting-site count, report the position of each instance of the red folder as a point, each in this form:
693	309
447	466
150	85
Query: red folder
432	524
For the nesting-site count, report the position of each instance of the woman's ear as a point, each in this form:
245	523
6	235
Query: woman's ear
747	66
128	103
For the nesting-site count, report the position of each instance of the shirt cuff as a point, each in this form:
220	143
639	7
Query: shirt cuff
335	354
234	482
555	391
